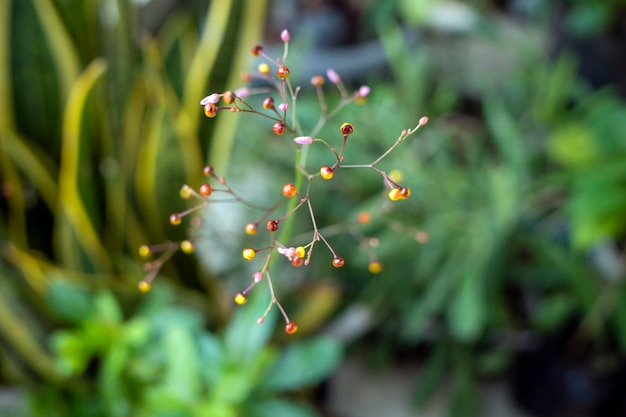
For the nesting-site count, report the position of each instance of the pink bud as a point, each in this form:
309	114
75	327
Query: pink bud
364	91
283	107
242	92
257	276
304	140
260	320
210	99
423	121
284	35
333	76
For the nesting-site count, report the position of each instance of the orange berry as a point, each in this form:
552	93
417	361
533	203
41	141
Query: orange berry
282	72
205	190
241	298
404	192
317	81
291	327
364	217
228	97
289	190
338	262
210	110
251	229
375	267
326	172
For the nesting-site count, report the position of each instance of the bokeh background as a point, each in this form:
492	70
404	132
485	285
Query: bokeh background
502	292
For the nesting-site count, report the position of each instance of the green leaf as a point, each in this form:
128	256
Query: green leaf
181	373
433	374
572	146
71	302
303	364
467	314
279	408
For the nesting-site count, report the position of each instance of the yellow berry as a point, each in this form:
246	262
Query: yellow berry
396	176
375	267
326	172
264	68
210	110
144	251
394	194
186	246
176	219
144	286
241	298
185	192
299	252
248	254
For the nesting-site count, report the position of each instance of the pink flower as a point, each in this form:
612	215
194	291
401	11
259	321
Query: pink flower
242	92
304	140
283	107
210	99
333	76
284	35
364	91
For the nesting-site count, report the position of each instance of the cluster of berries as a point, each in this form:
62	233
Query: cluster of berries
296	193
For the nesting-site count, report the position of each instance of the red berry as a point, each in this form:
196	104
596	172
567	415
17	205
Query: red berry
347	129
256	50
282	72
279	128
210	110
289	190
205	190
326	172
251	229
404	192
268	103
291	327
338	262
272	225
297	262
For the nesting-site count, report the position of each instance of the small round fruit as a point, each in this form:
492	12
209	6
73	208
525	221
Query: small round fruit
405	192
338	262
208	170
327	172
176	219
272	225
289	190
364	217
268	103
251	229
297	262
375	267
144	286
347	129
264	68
144	251
205	190
228	97
317	81
279	128
248	254
299	252
240	298
282	72
394	194
187	247
256	50
210	110
291	327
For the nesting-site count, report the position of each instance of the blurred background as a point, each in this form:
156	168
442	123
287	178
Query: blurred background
502	291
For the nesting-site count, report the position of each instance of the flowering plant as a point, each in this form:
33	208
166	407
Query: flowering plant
279	106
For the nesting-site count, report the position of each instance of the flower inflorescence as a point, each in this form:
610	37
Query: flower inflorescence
296	194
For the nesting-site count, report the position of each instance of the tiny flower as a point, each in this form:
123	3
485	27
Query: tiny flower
210	99
303	140
423	121
283	107
333	76
284	35
242	92
364	91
